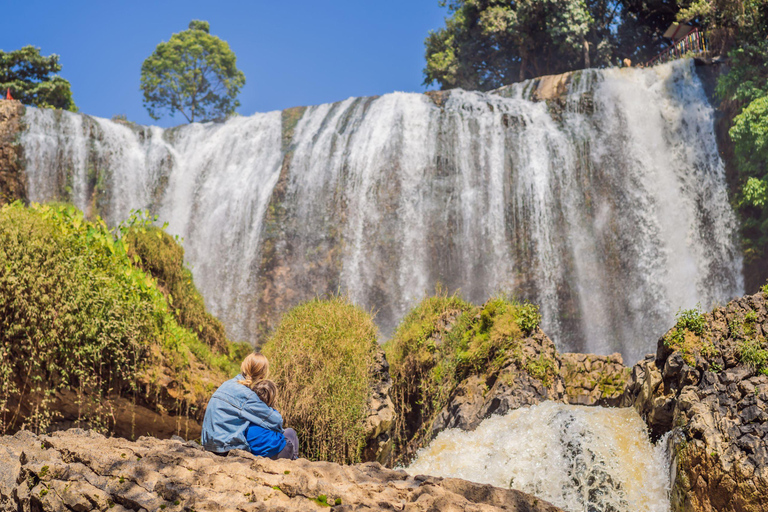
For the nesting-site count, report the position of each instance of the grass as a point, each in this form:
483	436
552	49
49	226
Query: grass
753	353
321	357
686	336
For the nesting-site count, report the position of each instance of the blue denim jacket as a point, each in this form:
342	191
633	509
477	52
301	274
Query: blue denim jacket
231	409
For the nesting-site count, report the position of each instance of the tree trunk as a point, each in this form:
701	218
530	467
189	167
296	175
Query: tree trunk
586	52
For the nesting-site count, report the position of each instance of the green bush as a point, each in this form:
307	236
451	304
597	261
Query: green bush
321	356
744	90
160	256
77	315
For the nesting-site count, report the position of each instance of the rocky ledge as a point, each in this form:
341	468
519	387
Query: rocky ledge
79	470
707	389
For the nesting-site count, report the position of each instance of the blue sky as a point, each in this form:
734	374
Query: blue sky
292	52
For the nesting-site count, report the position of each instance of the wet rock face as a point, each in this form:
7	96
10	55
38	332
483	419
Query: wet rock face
381	414
715	402
79	470
12	182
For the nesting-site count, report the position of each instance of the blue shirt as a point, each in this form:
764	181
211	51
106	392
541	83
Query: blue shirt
232	408
264	442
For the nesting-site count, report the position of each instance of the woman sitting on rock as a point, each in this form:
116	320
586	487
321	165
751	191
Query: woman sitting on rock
236	418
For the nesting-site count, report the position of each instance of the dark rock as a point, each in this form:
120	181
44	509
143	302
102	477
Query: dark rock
749	443
380	419
673	367
737	374
752	413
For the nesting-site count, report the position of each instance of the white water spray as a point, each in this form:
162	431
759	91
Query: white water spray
588	459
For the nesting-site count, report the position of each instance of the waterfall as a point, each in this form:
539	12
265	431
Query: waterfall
606	206
588	459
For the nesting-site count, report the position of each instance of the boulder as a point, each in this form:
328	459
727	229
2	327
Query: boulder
81	470
579	379
517	384
593	380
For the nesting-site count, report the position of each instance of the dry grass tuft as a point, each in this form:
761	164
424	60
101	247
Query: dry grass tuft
321	356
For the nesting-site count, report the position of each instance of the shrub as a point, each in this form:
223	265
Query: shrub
752	352
162	257
321	357
75	314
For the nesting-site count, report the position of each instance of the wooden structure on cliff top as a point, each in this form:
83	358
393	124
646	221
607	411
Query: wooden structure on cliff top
685	40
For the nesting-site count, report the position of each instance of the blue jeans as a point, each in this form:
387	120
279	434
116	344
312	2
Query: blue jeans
291	450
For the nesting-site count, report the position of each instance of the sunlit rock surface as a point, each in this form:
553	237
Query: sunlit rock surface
78	470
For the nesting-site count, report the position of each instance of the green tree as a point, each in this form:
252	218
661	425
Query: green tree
194	73
30	78
489	43
744	90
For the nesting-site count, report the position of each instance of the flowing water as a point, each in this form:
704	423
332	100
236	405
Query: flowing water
588	459
608	208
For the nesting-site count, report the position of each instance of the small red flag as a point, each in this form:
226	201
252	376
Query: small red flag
8	94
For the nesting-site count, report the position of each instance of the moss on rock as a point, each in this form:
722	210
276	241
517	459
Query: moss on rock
443	342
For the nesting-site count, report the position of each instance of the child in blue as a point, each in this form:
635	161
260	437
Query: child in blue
235	407
270	443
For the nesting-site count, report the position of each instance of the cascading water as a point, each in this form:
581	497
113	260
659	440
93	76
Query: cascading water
588	459
608	207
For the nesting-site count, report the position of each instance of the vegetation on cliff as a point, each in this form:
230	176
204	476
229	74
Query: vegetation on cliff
321	357
744	91
445	339
162	257
79	316
695	338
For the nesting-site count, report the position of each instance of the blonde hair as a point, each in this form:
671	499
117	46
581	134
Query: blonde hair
267	391
254	368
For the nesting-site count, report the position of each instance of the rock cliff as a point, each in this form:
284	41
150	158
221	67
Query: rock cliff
707	386
80	470
12	182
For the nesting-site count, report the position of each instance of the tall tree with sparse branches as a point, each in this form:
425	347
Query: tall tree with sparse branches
194	74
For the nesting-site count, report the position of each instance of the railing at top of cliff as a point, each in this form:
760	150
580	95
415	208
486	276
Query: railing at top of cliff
693	43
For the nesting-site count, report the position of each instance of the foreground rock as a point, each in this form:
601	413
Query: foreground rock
710	390
80	470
